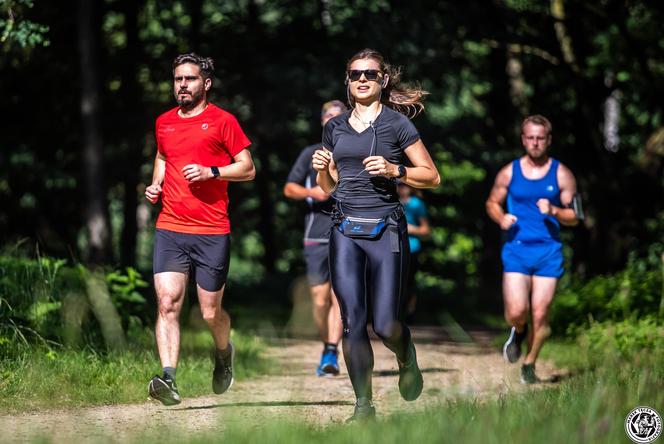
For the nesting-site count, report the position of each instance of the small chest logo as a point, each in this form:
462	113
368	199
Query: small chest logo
169	129
549	188
204	126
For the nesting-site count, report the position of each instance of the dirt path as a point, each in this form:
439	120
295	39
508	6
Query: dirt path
450	370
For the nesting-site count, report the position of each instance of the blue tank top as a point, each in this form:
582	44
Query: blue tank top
522	196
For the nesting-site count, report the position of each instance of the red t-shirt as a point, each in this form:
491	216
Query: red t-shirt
211	138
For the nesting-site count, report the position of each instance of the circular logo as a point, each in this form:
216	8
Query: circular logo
204	126
643	424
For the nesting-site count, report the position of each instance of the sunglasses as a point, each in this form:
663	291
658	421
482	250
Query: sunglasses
370	74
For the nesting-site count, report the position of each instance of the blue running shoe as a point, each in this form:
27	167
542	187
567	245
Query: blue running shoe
329	366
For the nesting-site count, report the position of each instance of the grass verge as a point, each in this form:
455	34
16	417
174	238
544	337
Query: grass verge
41	378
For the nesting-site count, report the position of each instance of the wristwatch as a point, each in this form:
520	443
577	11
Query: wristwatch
402	171
215	171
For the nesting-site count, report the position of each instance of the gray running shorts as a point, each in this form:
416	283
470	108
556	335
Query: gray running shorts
206	256
318	265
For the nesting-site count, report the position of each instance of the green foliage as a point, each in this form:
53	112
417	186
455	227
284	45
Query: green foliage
32	293
634	293
123	288
15	29
623	340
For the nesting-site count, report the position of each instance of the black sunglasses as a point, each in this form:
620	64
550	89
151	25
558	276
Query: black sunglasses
370	74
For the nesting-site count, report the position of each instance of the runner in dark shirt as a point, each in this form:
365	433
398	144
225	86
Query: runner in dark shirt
363	154
301	185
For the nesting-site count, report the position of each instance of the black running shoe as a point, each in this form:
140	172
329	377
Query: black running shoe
222	377
164	391
512	347
410	377
364	411
528	375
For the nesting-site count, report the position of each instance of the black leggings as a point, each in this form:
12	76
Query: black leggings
367	275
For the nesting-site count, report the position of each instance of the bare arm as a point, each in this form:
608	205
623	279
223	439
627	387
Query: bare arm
241	170
327	176
494	204
296	191
423	173
423	230
159	169
567	184
153	191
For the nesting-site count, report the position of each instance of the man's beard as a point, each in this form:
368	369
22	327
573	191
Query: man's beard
538	156
190	101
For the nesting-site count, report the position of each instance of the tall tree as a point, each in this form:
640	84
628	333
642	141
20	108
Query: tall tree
93	145
133	125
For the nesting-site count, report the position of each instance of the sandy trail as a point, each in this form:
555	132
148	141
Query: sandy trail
450	370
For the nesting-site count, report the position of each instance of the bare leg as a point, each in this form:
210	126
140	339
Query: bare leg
216	317
170	288
334	324
320	296
544	289
516	289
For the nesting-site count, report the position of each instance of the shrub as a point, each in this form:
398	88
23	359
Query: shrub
634	293
35	293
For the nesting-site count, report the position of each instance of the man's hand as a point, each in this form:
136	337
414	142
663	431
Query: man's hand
317	193
507	221
378	166
321	160
545	206
152	193
197	173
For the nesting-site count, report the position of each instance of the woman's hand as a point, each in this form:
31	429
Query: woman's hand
378	166
321	160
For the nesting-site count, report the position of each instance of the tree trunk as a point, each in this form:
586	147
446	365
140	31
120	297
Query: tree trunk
196	12
93	145
133	120
104	311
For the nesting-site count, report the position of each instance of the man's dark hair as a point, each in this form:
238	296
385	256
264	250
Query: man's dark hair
206	64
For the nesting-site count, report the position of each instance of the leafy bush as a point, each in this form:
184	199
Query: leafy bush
33	293
626	340
634	293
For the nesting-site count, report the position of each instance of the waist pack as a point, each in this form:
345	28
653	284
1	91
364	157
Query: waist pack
370	228
360	227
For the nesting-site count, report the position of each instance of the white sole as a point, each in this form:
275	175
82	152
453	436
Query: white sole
507	343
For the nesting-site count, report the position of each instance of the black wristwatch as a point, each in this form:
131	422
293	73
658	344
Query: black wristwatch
402	171
215	171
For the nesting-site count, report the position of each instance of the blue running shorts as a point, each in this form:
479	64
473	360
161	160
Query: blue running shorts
533	258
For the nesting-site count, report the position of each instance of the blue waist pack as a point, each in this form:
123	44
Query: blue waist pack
360	227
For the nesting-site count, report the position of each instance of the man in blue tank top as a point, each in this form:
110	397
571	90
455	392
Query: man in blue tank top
539	192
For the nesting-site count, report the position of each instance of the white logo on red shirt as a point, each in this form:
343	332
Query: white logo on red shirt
204	126
169	129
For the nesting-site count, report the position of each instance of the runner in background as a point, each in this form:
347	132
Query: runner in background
539	191
418	228
301	185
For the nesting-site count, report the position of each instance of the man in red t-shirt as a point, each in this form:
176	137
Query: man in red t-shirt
200	148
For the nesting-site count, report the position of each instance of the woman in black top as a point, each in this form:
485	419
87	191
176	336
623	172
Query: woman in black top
362	157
